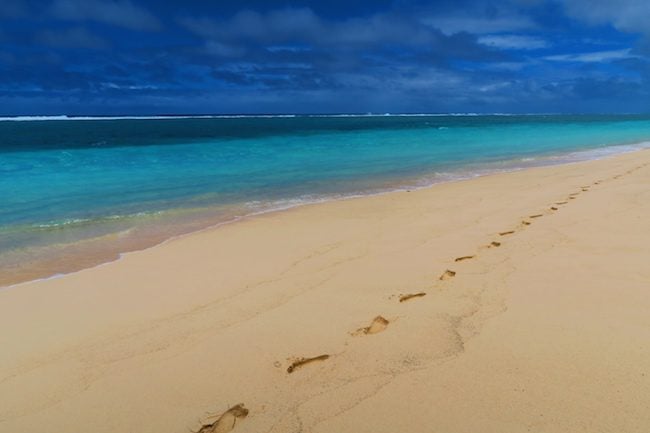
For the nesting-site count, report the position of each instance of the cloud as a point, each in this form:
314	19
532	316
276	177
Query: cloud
248	25
625	15
121	13
509	22
606	89
223	50
296	50
303	29
593	57
387	55
76	37
514	42
117	86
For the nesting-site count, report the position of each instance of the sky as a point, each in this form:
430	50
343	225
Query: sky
111	57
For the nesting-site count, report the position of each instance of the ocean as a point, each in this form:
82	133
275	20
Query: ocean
76	192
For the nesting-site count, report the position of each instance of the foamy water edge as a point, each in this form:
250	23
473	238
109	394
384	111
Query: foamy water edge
284	205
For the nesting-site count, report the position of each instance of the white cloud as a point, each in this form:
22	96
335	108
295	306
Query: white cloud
513	42
451	24
626	15
507	66
287	48
593	57
128	87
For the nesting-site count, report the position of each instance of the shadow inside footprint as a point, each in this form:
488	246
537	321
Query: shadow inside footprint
526	223
377	325
226	421
553	208
559	203
404	298
301	362
509	232
539	215
447	274
460	259
494	244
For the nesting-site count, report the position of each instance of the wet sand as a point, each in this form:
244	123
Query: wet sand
508	303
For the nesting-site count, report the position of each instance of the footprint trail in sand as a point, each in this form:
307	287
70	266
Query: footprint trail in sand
409	296
226	421
447	275
377	325
301	362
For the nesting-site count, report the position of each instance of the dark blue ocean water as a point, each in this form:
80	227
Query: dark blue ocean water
67	183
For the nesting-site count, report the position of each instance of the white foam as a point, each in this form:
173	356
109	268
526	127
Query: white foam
65	117
254	116
259	208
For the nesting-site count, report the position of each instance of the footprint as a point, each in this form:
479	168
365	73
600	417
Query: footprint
506	233
404	298
526	223
536	216
585	189
560	203
573	194
447	275
494	244
377	325
300	362
460	259
226	421
553	208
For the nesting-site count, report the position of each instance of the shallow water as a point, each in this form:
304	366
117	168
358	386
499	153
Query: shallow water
77	192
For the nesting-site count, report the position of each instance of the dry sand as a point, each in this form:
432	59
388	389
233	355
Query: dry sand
303	317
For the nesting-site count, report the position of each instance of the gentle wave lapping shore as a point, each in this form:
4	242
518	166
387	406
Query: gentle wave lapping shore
79	192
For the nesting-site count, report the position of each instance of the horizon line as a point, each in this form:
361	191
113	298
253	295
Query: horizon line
63	117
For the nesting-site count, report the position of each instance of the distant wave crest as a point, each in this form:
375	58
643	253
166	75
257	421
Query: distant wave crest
251	116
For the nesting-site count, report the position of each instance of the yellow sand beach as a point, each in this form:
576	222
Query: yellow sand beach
508	303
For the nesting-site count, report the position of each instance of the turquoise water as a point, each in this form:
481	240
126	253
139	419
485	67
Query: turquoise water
65	183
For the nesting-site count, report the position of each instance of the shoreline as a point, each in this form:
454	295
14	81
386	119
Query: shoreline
359	315
108	256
